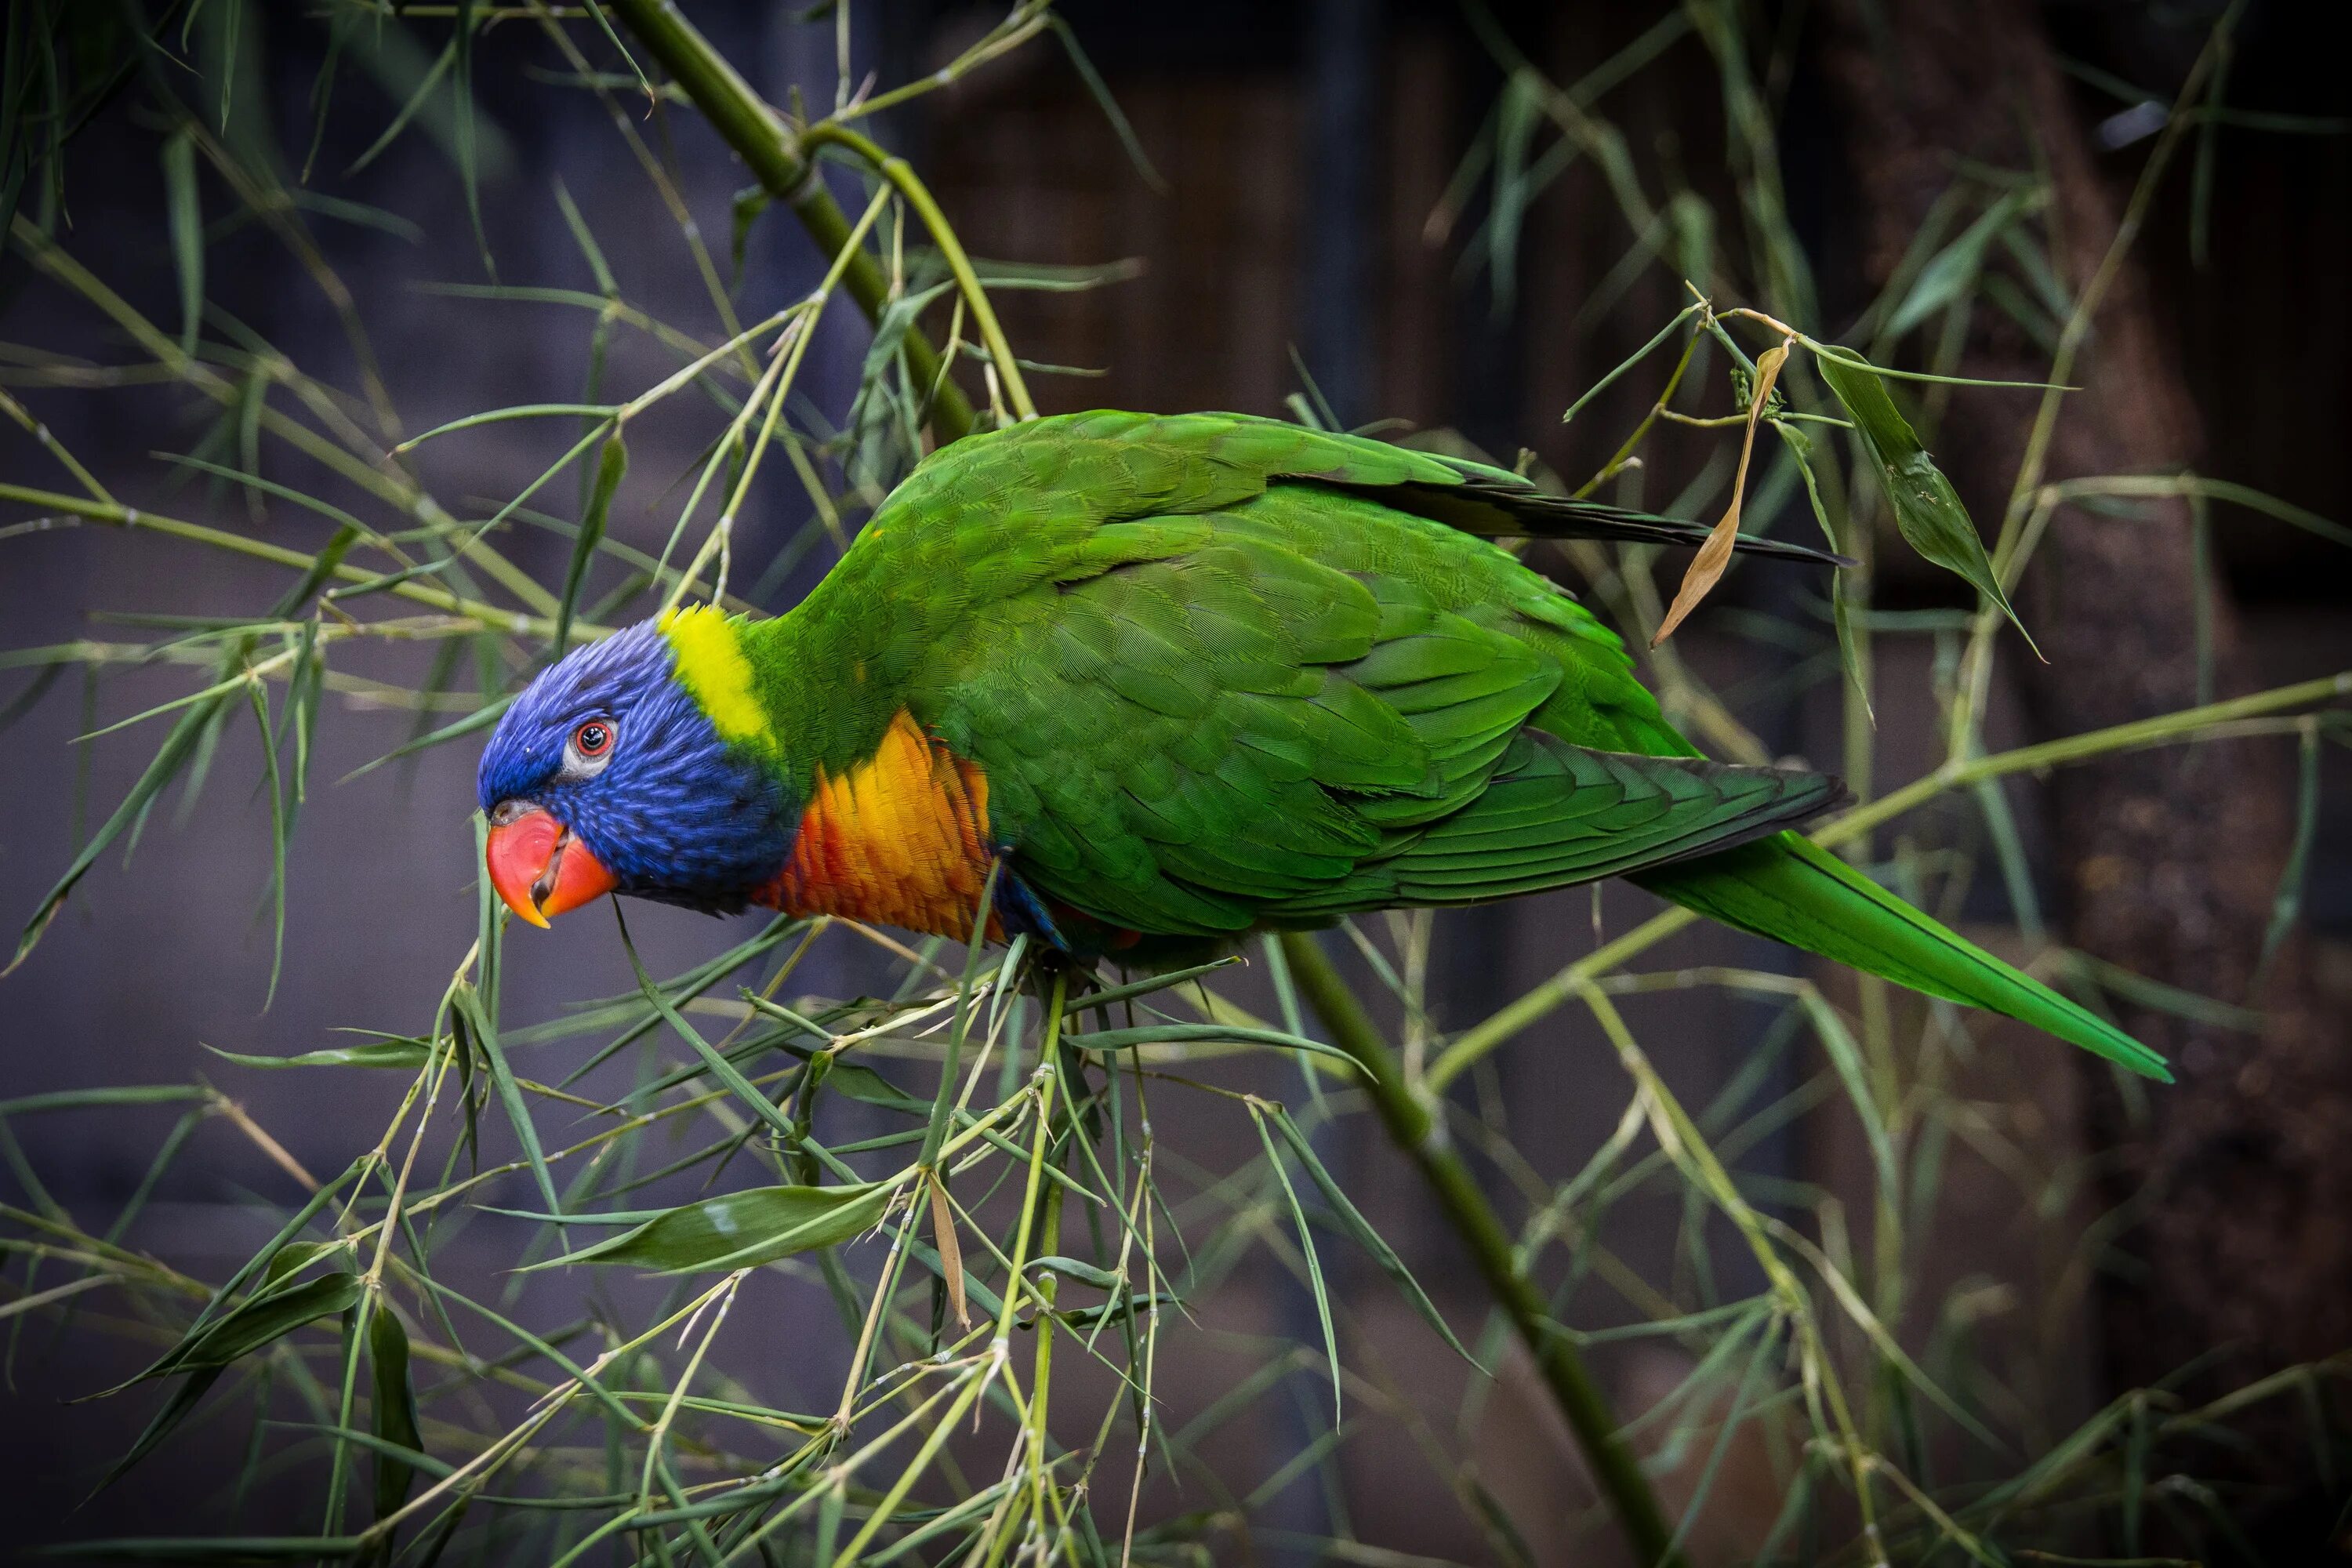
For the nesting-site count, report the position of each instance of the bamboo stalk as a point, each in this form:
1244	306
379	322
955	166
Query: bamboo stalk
1411	1126
788	173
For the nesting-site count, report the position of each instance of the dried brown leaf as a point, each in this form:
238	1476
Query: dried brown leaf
943	1235
1706	566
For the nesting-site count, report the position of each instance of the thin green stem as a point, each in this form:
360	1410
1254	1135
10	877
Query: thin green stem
1414	1128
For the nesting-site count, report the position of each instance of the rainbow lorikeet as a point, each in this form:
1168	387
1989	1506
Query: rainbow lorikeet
1177	679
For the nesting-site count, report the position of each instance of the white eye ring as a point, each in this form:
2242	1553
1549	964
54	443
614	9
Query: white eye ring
590	748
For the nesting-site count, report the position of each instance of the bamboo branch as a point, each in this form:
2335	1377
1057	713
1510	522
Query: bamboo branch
512	621
787	173
1412	1127
901	176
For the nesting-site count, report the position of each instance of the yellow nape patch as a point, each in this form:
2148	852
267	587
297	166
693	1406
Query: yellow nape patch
710	662
899	839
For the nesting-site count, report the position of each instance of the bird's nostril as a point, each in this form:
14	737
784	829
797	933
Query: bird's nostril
506	813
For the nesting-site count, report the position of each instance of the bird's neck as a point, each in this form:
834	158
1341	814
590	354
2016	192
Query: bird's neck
900	837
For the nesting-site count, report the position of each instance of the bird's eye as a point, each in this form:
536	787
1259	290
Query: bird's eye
590	748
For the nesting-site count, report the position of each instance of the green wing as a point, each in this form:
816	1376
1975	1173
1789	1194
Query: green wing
1297	701
1554	813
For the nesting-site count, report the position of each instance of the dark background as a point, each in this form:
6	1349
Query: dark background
1302	148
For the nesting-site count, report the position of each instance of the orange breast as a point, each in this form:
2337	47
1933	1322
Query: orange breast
899	839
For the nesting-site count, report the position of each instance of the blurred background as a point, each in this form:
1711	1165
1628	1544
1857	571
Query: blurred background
1332	190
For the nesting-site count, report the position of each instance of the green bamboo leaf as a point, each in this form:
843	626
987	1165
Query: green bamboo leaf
215	1549
1099	90
2134	1489
2009	849
402	1051
891	327
1601	386
2268	505
16	707
303	691
166	1153
926	265
395	1407
249	477
1181	1033
2143	991
1743	1405
1796	1508
1955	267
82	1098
416	1457
291	1259
1082	1272
1122	1307
612	463
741	1230
606	284
1845	1057
260	1265
2202	591
1365	1236
177	748
2287	904
500	415
185	213
322	566
943	1101
749	203
1850	652
469	173
466	1012
1314	1263
176	1410
870	1088
481	718
1087	1001
264	1319
721	1068
396	62
279	829
2033	264
1927	509
1517	114
962	1514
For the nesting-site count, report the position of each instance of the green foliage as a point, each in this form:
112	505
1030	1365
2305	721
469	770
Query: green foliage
1927	509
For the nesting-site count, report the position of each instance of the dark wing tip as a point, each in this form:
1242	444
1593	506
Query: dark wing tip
1499	506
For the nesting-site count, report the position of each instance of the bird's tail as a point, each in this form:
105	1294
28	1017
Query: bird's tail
1790	889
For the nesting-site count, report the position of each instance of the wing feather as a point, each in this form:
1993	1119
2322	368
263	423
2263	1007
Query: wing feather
1222	670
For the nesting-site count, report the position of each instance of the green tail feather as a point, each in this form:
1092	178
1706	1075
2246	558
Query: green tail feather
1790	889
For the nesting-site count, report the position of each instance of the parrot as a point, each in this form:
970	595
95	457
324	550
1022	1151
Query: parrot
1139	686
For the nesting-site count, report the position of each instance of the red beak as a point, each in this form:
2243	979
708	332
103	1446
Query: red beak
541	869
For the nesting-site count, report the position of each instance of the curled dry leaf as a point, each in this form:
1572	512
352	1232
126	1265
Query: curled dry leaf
1706	566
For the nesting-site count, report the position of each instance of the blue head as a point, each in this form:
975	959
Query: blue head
606	775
